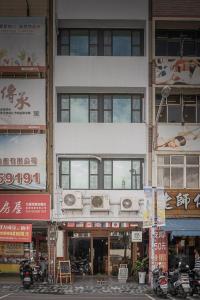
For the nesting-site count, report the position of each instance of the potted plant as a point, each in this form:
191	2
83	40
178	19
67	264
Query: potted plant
141	266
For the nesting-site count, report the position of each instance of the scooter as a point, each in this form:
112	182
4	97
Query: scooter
160	282
195	282
179	283
26	274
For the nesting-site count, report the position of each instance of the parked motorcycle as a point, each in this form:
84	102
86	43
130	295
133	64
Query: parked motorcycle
26	273
160	282
37	273
80	267
179	283
195	282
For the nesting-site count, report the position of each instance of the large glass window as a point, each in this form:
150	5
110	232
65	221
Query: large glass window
179	109
93	42
178	171
125	174
177	42
100	108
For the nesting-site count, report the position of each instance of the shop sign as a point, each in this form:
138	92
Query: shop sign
22	104
88	224
115	225
25	207
136	236
11	249
23	162
160	196
178	71
107	224
15	232
22	44
178	138
97	224
71	224
182	203
80	224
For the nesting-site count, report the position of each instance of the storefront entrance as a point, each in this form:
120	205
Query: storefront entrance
100	255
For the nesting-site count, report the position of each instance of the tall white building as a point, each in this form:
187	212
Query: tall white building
100	127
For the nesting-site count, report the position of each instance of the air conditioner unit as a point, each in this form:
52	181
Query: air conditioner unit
72	200
100	203
129	204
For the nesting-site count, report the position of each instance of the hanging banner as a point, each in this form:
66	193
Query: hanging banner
161	204
148	210
22	44
15	232
23	161
22	104
25	207
178	71
161	249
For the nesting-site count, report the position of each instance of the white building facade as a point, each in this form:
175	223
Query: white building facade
100	127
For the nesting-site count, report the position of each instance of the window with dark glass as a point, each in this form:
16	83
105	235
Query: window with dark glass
179	109
100	108
93	42
126	174
177	42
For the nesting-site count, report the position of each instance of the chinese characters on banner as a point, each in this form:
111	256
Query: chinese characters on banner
22	104
158	249
148	210
160	196
25	207
185	203
15	232
22	44
23	161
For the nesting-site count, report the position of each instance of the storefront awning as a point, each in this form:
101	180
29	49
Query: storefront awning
183	227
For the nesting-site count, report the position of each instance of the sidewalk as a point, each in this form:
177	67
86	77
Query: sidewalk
80	285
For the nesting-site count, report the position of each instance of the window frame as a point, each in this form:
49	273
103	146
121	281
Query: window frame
183	166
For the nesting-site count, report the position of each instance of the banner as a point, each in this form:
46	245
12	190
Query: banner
23	161
11	249
161	204
148	210
178	71
22	44
25	207
22	104
15	232
178	138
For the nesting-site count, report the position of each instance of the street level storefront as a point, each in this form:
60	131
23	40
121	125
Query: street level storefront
23	227
182	224
106	245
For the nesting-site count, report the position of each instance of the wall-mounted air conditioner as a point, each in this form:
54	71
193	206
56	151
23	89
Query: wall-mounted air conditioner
129	204
72	200
100	203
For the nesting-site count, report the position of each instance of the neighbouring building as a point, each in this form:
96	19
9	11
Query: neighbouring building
24	134
101	79
176	140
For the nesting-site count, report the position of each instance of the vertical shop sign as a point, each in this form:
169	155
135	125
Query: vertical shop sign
148	211
161	204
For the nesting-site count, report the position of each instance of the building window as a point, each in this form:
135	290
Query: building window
109	174
100	108
92	42
178	171
123	174
179	109
177	43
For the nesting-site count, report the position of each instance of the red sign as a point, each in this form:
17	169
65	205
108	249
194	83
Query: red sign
25	207
15	232
160	249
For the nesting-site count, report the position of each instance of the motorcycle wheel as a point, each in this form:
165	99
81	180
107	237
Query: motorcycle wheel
182	293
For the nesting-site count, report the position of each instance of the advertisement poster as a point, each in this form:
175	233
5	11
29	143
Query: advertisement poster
161	204
178	71
20	233
148	210
178	137
22	44
23	161
25	207
11	249
22	104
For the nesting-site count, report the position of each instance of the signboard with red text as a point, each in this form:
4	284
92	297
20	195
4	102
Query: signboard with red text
25	207
22	104
21	233
23	161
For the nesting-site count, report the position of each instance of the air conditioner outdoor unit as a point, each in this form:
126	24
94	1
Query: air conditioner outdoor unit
100	203
72	200
129	204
